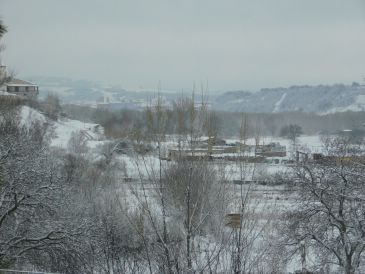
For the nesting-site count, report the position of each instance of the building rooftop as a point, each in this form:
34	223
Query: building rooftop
18	82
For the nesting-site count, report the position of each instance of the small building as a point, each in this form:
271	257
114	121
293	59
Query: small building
21	88
271	150
215	141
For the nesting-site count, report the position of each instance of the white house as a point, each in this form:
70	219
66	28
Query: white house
18	87
21	88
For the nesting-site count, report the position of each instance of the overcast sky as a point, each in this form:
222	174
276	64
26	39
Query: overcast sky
232	44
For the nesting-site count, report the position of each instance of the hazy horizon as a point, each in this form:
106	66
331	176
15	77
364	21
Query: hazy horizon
232	45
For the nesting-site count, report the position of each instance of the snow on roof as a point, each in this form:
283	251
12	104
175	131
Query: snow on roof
18	82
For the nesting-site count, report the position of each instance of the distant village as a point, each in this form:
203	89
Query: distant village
219	149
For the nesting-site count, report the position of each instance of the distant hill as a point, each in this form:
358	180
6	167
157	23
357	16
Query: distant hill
319	99
93	94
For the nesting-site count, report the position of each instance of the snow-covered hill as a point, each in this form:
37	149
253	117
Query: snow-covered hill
62	130
29	115
319	99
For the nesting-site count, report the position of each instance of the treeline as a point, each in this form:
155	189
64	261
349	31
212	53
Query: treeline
119	123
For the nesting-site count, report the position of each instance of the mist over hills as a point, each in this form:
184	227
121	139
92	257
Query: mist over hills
320	99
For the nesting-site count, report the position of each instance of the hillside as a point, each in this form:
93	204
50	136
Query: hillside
62	130
319	99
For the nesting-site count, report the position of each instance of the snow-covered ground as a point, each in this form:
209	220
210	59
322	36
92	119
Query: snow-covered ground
266	201
63	130
29	115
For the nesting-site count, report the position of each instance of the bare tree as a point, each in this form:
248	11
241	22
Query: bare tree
78	143
179	199
328	221
33	199
292	132
156	126
51	106
3	29
251	219
4	75
196	197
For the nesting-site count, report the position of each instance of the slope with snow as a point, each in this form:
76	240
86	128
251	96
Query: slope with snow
29	115
63	130
318	99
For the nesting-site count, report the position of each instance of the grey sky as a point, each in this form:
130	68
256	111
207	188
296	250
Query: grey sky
232	44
